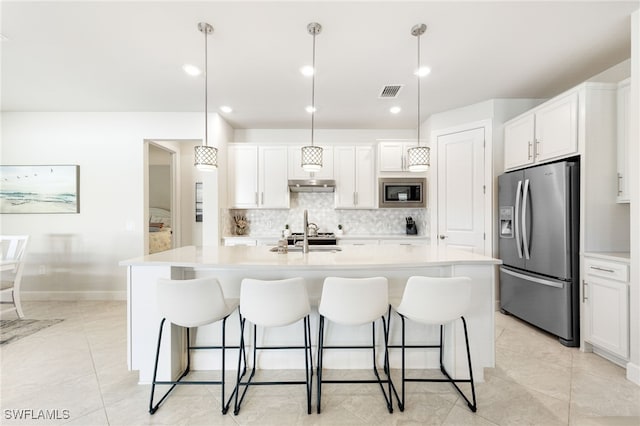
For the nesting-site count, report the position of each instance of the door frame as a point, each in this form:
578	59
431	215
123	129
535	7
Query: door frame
175	196
490	184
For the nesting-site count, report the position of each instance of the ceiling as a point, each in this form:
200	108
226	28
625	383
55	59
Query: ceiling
128	56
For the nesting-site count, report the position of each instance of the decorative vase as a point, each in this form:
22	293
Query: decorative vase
240	231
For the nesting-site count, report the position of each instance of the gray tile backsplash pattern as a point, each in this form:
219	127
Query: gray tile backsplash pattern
321	210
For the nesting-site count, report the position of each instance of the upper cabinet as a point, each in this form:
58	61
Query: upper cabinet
548	132
392	156
295	164
355	177
624	90
257	176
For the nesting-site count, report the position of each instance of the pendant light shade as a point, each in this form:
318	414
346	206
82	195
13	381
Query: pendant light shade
419	156
311	154
206	157
311	158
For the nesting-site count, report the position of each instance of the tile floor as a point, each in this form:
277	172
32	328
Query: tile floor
78	368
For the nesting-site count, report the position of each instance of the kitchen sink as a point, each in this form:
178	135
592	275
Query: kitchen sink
298	249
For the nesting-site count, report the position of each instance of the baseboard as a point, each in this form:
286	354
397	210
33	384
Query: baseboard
72	295
633	373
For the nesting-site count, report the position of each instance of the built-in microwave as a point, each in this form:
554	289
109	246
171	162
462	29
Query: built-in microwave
403	192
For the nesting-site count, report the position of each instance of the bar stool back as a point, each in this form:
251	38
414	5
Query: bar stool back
275	303
355	301
436	301
192	303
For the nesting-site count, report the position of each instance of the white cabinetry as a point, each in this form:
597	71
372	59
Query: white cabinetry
547	132
606	301
624	90
295	164
354	169
257	177
392	156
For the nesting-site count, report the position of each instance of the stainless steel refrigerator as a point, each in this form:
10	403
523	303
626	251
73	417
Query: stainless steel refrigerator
539	239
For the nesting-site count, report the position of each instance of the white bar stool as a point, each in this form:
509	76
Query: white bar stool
275	303
355	301
436	301
193	303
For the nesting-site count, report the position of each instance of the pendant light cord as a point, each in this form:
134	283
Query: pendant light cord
206	114
418	77
313	87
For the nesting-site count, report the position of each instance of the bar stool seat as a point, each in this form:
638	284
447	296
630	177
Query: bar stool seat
193	303
351	302
275	303
436	301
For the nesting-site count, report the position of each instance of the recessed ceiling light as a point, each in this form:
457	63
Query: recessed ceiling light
225	108
310	109
191	70
422	71
307	70
395	110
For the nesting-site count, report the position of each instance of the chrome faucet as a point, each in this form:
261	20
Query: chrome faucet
305	226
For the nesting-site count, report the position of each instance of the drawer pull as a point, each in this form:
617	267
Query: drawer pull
597	268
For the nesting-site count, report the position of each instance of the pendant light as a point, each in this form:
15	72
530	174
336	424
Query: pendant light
419	156
206	157
312	155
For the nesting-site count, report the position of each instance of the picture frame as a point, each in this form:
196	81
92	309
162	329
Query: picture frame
198	201
40	189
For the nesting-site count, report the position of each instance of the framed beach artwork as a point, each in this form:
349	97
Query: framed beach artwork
40	189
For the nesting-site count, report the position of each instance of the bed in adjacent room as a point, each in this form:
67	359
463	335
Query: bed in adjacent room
159	229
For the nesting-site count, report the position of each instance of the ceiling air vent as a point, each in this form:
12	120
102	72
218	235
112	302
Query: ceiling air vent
390	91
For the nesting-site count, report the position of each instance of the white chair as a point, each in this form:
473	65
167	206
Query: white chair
13	252
193	303
351	302
275	303
436	301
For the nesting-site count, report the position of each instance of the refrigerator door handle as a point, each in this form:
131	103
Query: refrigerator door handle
525	240
516	218
530	278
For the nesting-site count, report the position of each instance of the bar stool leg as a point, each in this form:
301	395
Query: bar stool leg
319	369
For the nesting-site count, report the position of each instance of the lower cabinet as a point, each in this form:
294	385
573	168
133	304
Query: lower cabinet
606	304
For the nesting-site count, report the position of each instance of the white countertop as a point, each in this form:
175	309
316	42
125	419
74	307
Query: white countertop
351	257
616	256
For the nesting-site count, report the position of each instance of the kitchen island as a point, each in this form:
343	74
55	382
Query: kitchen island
231	264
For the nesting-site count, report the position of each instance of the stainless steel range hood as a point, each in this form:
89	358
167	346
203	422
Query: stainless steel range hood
312	185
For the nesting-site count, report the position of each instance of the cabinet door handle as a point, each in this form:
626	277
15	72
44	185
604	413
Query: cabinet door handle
597	268
403	163
529	150
262	198
536	152
584	291
355	198
619	184
256	198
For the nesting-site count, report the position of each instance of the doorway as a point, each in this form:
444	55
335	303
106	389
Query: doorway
161	207
463	203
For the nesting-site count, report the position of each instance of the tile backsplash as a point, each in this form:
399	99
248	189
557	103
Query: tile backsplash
321	211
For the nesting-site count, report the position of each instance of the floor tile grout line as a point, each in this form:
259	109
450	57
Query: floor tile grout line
93	363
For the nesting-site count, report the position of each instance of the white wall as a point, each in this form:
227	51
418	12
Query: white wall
71	253
633	368
331	136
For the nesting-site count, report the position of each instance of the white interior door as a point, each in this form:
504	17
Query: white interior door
461	190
